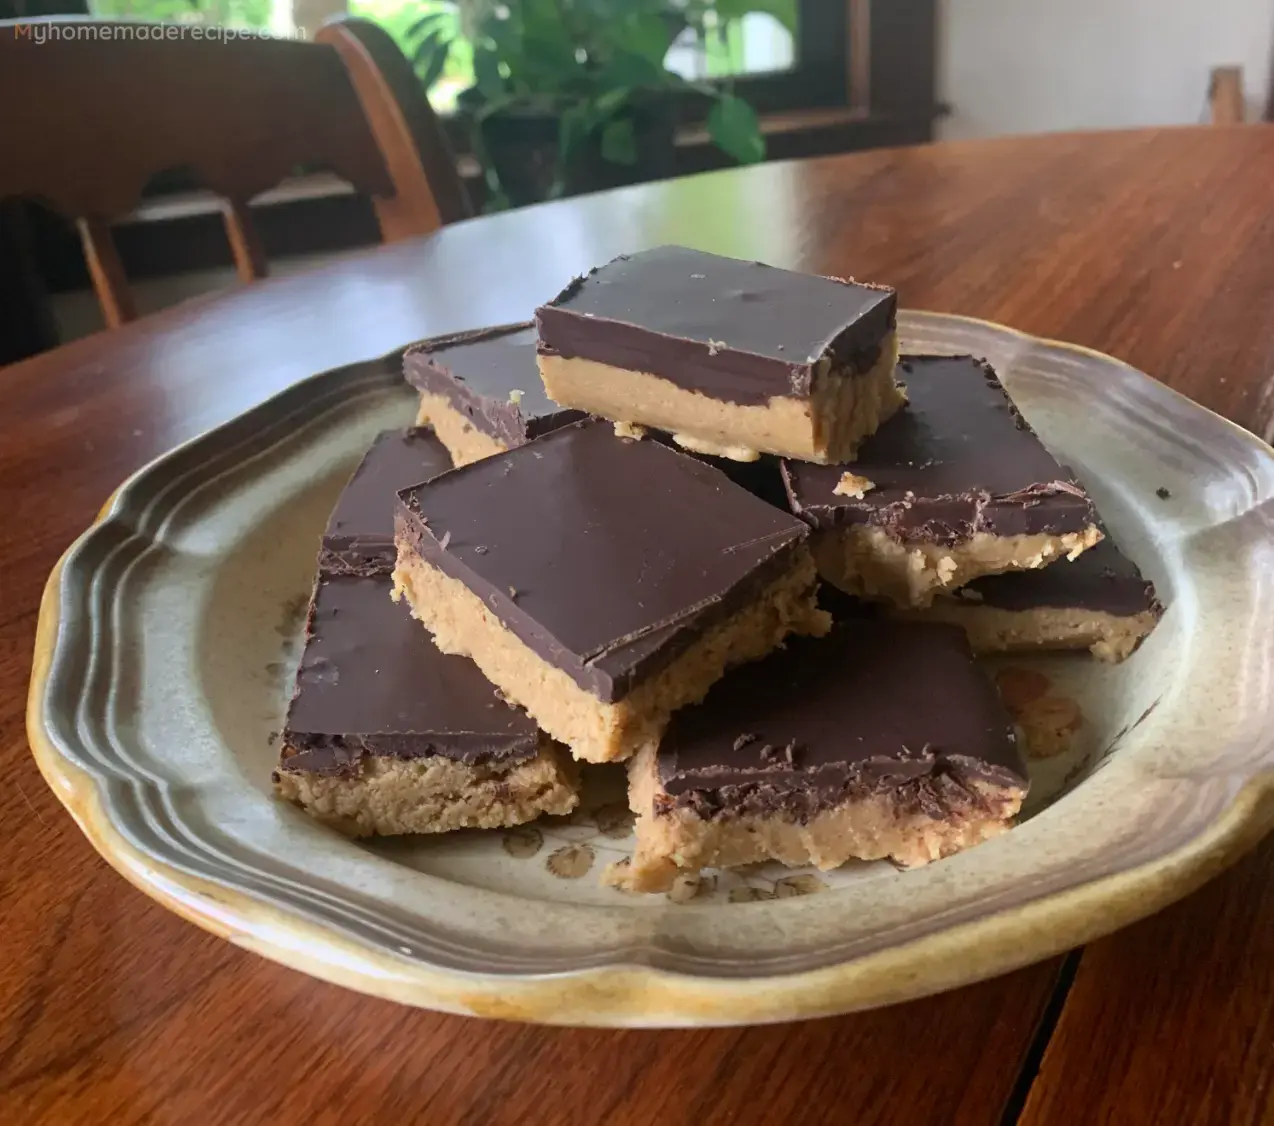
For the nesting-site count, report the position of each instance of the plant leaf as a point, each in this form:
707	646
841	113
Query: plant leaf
543	23
647	36
606	104
548	64
573	129
782	10
430	58
626	68
423	51
486	71
428	22
734	127
619	142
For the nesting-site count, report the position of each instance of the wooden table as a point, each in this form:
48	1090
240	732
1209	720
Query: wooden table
1155	246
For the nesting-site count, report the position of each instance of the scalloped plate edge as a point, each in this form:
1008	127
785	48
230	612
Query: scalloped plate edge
637	996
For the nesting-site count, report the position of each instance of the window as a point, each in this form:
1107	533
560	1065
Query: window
826	75
794	54
253	14
757	44
400	18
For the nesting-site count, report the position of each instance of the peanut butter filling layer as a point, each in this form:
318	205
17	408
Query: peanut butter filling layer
596	731
390	796
1109	637
867	561
873	827
464	441
842	409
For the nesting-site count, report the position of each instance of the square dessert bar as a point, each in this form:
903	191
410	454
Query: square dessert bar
601	582
359	539
481	390
387	735
954	487
731	357
481	393
1100	602
883	740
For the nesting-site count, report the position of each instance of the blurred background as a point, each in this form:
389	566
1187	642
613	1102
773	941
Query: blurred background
544	98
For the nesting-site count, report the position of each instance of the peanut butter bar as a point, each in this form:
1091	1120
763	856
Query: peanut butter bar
954	487
387	735
883	740
1100	602
359	539
481	390
602	583
481	394
733	358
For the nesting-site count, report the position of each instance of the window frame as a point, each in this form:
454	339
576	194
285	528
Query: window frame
877	59
818	76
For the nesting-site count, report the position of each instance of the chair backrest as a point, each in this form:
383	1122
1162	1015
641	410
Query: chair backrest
93	110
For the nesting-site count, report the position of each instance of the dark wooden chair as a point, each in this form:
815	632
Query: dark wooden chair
89	120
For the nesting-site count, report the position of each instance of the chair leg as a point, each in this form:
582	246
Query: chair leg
245	244
107	272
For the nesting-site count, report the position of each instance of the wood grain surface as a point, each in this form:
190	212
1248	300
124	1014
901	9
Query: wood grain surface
1157	247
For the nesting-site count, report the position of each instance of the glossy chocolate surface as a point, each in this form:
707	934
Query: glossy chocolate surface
738	331
371	682
359	539
957	460
489	376
605	556
875	705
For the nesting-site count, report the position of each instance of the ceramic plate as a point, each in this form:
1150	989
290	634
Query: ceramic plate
170	631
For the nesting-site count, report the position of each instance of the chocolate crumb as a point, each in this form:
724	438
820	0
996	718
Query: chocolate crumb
1162	493
743	740
776	756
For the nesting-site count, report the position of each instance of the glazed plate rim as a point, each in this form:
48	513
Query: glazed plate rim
631	992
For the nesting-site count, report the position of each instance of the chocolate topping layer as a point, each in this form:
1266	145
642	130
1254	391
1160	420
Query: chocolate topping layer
360	534
958	459
1102	578
763	478
605	556
489	375
738	331
874	706
372	683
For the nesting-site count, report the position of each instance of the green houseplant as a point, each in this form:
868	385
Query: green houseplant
572	95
